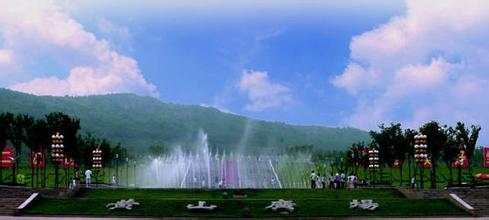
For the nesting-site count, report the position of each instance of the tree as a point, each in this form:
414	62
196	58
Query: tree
6	120
37	139
18	137
436	139
409	147
468	139
450	149
68	127
106	152
357	156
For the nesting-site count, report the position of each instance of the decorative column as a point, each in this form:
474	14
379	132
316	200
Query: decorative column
57	155
420	155
96	162
373	161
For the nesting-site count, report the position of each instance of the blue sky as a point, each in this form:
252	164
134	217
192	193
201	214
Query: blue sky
196	56
332	63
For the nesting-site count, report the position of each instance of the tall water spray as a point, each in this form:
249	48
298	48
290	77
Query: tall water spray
202	169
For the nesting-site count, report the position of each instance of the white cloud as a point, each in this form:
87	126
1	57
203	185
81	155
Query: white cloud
263	93
5	57
43	28
429	64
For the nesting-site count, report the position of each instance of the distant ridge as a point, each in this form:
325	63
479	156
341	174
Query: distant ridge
138	122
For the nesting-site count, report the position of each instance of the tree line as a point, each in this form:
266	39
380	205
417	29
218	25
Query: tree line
22	130
396	146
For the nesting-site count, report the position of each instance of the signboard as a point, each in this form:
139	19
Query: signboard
7	158
37	159
485	156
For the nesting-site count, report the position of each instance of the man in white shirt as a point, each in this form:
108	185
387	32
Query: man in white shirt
313	179
88	175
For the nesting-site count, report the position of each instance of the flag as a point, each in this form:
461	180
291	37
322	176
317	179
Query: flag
461	160
486	157
7	159
37	159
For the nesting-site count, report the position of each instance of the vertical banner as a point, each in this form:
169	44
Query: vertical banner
461	160
68	163
485	156
37	159
7	157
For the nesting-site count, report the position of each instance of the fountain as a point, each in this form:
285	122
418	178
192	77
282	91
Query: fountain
202	169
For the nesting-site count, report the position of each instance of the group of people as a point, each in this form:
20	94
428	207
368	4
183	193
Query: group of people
336	181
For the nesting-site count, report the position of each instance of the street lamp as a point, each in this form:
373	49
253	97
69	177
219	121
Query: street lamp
373	161
96	162
135	176
420	155
117	168
56	154
127	171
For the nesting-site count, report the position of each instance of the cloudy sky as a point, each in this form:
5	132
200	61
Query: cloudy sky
333	63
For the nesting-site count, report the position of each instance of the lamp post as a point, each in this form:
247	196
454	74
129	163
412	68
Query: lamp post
420	154
373	162
127	171
96	162
117	168
57	154
135	176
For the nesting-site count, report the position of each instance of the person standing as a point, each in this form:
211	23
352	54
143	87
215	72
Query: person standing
331	181
318	181
114	180
88	176
323	181
313	179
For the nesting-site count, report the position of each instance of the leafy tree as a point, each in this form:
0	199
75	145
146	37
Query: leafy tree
387	139
68	127
38	139
6	120
450	149
436	139
468	139
18	137
106	152
408	142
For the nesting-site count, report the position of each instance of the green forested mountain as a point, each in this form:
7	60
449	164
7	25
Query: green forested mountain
138	122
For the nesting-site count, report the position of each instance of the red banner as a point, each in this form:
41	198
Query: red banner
68	163
7	157
486	157
427	164
461	160
37	159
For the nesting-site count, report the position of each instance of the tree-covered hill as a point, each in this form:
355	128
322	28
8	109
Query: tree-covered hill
138	122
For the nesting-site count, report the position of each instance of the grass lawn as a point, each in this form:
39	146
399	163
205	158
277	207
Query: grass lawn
310	203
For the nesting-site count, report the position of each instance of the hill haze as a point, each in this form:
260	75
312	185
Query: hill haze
138	122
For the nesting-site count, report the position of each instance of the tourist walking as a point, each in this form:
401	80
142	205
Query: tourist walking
313	179
88	175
